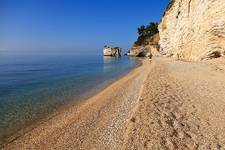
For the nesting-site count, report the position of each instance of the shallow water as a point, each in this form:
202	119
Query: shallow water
32	86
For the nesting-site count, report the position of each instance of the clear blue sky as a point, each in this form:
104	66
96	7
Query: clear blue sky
73	25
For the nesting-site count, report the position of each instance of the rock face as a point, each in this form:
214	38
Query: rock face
150	47
193	29
108	51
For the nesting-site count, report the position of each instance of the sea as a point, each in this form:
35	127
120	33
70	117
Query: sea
33	86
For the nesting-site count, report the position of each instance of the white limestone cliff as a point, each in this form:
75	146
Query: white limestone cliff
193	29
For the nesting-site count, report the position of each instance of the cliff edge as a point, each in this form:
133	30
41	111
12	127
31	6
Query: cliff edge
150	46
147	43
193	30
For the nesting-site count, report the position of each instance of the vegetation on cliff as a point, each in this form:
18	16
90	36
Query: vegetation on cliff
146	32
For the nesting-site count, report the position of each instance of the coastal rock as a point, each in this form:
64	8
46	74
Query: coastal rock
149	47
108	51
193	30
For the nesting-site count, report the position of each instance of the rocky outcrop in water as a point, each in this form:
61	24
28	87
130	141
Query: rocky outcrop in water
115	51
193	29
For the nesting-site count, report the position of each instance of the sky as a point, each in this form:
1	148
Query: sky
60	26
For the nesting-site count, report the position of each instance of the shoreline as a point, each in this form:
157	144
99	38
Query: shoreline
163	104
22	107
74	104
78	100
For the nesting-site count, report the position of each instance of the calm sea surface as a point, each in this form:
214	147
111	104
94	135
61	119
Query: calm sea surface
32	86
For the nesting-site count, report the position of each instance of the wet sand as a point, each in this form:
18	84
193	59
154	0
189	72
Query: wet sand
163	104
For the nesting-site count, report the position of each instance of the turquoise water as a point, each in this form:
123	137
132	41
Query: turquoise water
32	86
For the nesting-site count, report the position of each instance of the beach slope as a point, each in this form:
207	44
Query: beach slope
182	106
164	104
97	123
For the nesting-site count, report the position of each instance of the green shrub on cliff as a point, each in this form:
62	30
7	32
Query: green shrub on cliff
146	31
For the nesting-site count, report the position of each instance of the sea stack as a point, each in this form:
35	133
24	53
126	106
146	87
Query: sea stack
112	51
